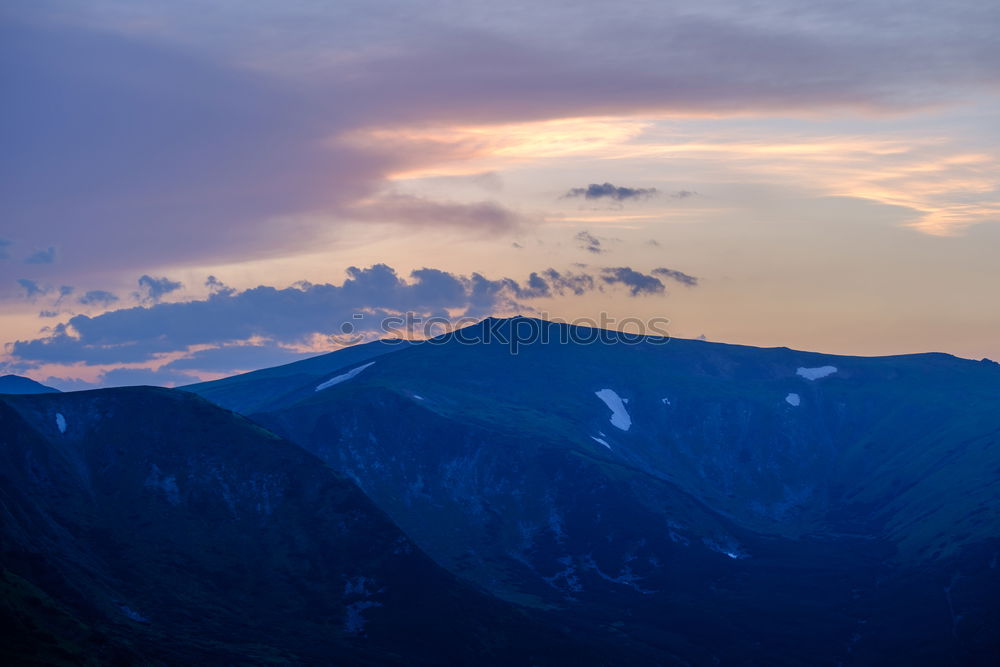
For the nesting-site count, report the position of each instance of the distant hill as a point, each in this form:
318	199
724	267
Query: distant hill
17	384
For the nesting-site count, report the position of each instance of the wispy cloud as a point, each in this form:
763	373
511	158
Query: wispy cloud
32	288
420	212
679	276
589	242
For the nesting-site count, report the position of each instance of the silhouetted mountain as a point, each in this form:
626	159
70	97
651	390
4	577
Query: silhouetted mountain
147	526
717	502
16	384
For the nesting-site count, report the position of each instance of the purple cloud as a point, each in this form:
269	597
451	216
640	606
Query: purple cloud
200	140
151	289
32	288
97	298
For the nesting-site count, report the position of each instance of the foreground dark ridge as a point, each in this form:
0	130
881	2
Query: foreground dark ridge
146	526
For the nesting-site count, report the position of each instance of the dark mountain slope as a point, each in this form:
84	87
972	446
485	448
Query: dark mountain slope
16	384
145	524
282	385
723	501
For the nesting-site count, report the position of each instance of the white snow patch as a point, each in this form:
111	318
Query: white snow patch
726	547
354	620
343	378
165	483
61	422
793	399
619	415
133	615
816	373
603	442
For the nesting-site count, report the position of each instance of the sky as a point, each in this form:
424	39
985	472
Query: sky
193	189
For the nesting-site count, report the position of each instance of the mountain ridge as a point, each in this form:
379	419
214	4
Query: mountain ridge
18	384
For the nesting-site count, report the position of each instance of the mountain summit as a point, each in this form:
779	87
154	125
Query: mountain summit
17	384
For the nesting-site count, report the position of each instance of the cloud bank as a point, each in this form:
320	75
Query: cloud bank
231	328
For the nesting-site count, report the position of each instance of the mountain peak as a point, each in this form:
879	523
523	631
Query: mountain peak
18	384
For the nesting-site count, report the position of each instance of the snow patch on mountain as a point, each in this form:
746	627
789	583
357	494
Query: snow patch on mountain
619	415
816	373
566	580
726	546
344	377
624	578
354	620
793	399
165	483
60	422
132	614
603	442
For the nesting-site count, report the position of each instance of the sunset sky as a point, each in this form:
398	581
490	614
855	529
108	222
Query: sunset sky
190	189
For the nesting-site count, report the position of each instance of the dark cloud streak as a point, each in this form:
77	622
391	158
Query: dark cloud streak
97	298
637	283
679	276
613	192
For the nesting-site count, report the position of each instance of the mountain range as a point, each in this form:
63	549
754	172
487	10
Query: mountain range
518	492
